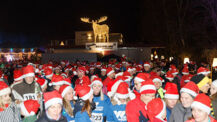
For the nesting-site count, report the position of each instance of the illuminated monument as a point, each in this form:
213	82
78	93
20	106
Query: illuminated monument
100	31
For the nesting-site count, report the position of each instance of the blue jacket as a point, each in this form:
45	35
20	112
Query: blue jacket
168	113
82	117
101	112
118	113
68	117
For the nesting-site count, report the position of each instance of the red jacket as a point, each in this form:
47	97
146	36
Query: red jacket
106	81
136	93
83	81
211	120
133	109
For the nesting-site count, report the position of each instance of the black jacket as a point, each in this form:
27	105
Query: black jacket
44	118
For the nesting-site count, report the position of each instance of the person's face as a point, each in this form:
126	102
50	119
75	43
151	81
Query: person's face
54	111
146	98
96	88
157	84
137	85
205	88
44	88
112	76
186	100
199	115
146	68
171	102
6	98
80	74
123	101
69	95
213	90
103	73
29	80
57	71
57	87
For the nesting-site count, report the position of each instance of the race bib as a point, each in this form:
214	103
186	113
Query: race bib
97	117
29	96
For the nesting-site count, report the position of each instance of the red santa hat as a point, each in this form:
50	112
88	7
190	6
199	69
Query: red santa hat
201	70
57	80
64	89
67	81
141	77
174	71
97	81
190	88
148	87
48	73
29	107
82	69
64	74
129	69
113	88
157	78
202	102
42	82
169	75
98	64
28	71
109	71
119	74
156	108
171	91
84	92
123	91
103	69
147	64
51	98
185	71
4	89
18	75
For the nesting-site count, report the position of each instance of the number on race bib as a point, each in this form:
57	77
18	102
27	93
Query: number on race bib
97	117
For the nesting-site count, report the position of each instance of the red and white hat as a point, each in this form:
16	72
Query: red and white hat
51	98
48	73
29	107
202	102
147	64
201	70
141	77
4	89
148	87
97	81
157	78
28	71
156	108
114	86
174	71
57	80
185	71
18	75
64	89
103	69
169	75
67	81
109	71
119	74
171	91
64	74
190	88
42	82
122	91
84	92
82	69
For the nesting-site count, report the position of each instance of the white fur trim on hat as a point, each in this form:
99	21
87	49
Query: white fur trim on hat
87	96
203	73
214	83
185	73
188	91
96	82
169	78
148	65
122	96
25	112
156	80
112	71
138	79
45	83
29	75
201	106
162	111
171	96
66	90
5	91
57	83
53	101
103	69
48	76
147	87
19	78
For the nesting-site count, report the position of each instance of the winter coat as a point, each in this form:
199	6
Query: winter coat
180	114
135	111
30	119
10	114
168	113
44	118
118	113
210	120
80	116
214	105
65	114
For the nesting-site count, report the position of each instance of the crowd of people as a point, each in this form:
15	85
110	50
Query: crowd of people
121	91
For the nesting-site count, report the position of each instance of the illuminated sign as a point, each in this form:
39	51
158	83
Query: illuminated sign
102	46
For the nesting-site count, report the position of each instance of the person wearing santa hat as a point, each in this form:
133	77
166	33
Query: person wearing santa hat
182	111
109	79
136	109
9	111
147	67
171	97
57	81
18	76
140	77
48	76
158	84
53	106
102	101
28	89
203	82
213	96
85	104
67	92
82	78
103	73
43	83
118	107
201	109
29	109
156	110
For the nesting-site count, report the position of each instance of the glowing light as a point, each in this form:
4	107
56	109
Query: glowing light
23	50
11	50
186	60
32	49
162	57
214	64
156	57
171	58
152	56
62	43
89	36
9	58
